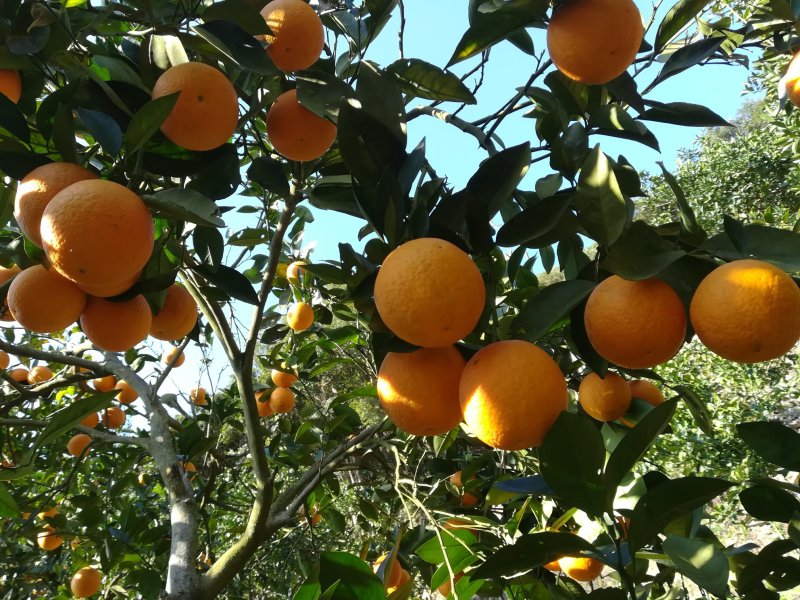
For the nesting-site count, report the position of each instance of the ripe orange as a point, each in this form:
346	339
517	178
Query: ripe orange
404	579
5	275
104	384
511	393
86	582
264	409
189	467
604	399
295	271
792	80
553	566
91	420
10	84
419	390
43	301
38	188
747	311
114	417
297	36
48	540
39	374
49	513
466	498
198	396
77	444
171	354
206	113
447	586
391	574
300	316
112	289
283	379
580	568
281	400
296	132
5	360
126	393
116	326
647	391
635	324
177	316
20	374
594	41
97	233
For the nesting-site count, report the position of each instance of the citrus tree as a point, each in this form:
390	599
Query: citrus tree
424	415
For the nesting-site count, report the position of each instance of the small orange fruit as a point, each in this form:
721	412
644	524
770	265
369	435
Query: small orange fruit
511	393
646	390
300	316
206	113
48	540
43	301
114	417
78	443
747	311
466	498
5	275
635	324
189	467
405	577
126	393
48	514
281	400
419	390
104	384
604	399
177	316
282	378
297	35
594	41
553	566
86	582
296	132
264	409
792	80
295	271
116	326
581	568
5	360
174	353
91	420
391	574
429	292
20	374
38	188
39	374
198	396
97	233
447	587
11	84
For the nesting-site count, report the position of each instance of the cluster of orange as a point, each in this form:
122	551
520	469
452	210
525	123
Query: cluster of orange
280	399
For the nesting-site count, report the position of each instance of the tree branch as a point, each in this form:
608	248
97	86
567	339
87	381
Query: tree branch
484	140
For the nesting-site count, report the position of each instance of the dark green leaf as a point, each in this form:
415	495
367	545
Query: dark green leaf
424	80
335	193
531	551
230	281
700	561
534	221
322	93
8	506
683	113
687	56
640	253
66	418
103	128
772	441
238	45
551	305
613	120
690	229
270	175
185	205
209	245
239	12
12	119
64	133
769	503
379	11
310	590
778	246
498	176
534	486
380	96
325	272
355	577
602	209
676	18
697	407
147	121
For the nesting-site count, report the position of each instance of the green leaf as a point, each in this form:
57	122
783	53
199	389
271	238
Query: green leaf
602	209
634	445
322	92
103	128
238	45
230	281
335	192
778	246
355	577
613	120
209	245
551	305
531	551
769	503
380	96
379	11
676	18
700	561
455	545
687	56
65	419
185	205
310	590
683	113
147	121
668	501
421	79
499	175
239	12
8	506
571	461
12	119
640	253
534	221
690	229
270	174
774	442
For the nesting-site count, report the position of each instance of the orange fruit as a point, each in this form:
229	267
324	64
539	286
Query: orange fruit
39	374
594	41
10	84
177	316
43	301
792	80
116	326
5	275
38	188
419	390
281	400
605	399
198	396
295	271
300	316
580	568
429	292
77	444
297	36
296	132
207	111
264	409
511	393
97	233
91	420
171	354
20	374
114	417
48	540
466	498
404	579
49	513
105	384
635	324
110	290
189	467
553	566
447	586
86	582
126	393
282	378
747	311
391	574
142	479
646	390
5	360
